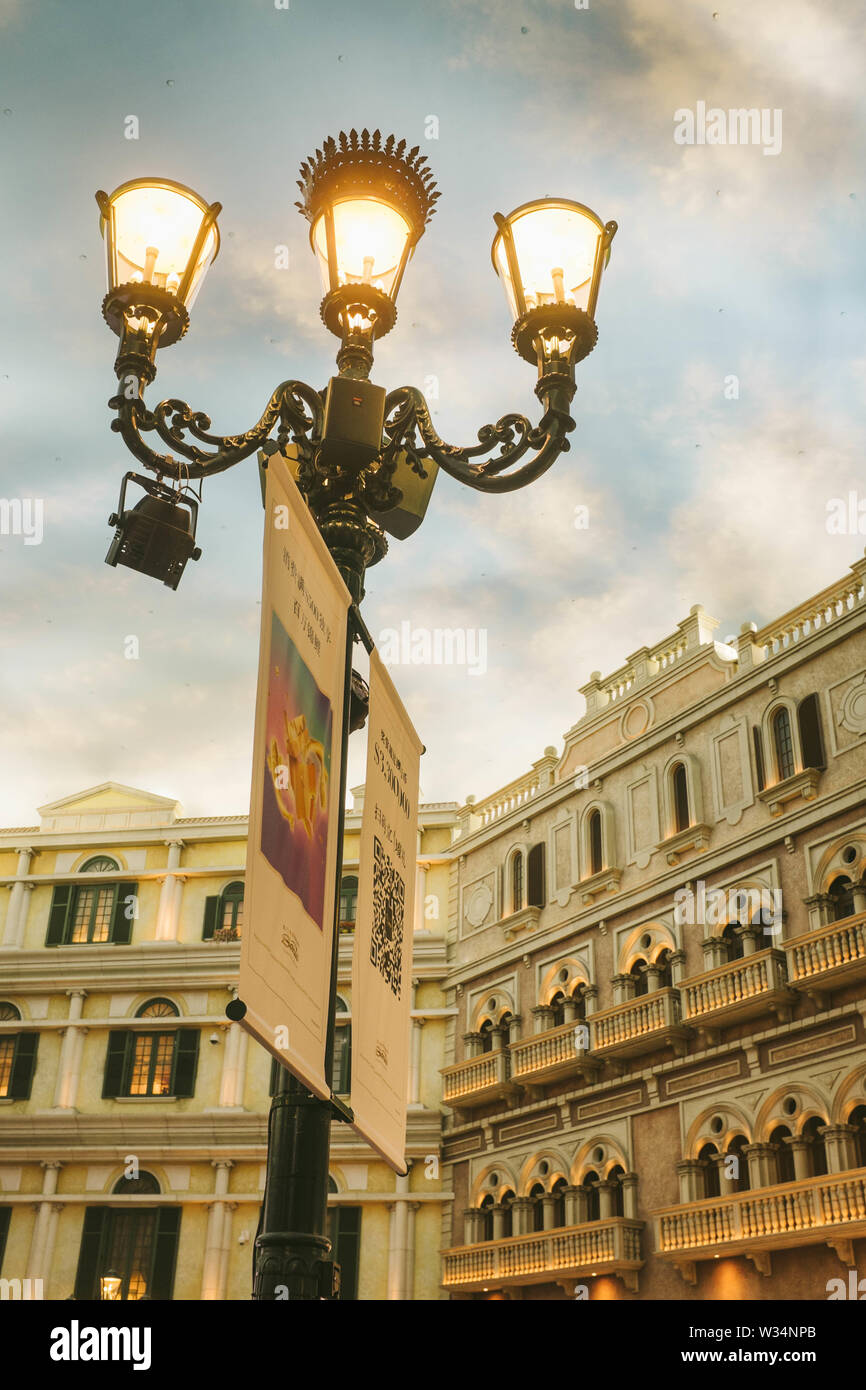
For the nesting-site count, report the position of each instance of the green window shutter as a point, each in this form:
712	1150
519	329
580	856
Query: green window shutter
211	915
23	1066
92	1239
58	916
5	1217
185	1062
535	894
344	1231
165	1252
811	736
759	756
121	924
115	1064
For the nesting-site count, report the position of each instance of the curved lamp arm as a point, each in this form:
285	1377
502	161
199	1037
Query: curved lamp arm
296	406
408	416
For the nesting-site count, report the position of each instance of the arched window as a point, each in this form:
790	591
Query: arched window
158	1061
517	882
129	1252
348	901
640	980
707	1157
486	1031
558	1191
232	908
783	744
487	1217
596	857
741	1170
557	1003
578	999
784	1154
507	1204
857	1119
733	942
145	1183
8	1012
817	1147
841	897
17	1057
615	1177
157	1008
593	1204
92	908
536	1196
682	817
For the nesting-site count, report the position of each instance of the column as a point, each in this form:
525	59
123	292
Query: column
653	975
628	1182
472	1043
470	1225
499	1219
590	994
521	1216
241	1068
548	1203
750	937
715	952
397	1252
225	1242
727	1185
678	968
409	1276
841	1147
819	910
16	917
605	1200
691	1177
762	1164
802	1166
859	892
229	1071
415	1063
66	1084
214	1238
572	1206
169	897
36	1266
621	988
543	1016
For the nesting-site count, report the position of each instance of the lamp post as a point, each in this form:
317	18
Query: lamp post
366	460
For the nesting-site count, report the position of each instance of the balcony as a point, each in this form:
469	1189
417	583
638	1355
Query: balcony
827	1210
476	1081
611	1246
552	1054
832	956
640	1025
742	989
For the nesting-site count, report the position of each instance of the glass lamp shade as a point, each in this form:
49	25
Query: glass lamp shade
109	1286
361	241
159	233
550	252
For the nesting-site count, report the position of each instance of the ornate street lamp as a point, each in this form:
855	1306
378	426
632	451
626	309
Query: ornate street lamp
109	1286
365	461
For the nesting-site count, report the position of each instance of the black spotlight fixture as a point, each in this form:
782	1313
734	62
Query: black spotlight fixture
157	535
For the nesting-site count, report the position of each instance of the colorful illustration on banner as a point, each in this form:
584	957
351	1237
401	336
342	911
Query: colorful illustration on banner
298	735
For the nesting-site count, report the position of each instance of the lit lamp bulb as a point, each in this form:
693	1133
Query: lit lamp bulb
109	1286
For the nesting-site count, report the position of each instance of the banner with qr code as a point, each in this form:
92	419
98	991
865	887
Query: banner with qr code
291	873
384	923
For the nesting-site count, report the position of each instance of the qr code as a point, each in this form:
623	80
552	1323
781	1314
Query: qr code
389	897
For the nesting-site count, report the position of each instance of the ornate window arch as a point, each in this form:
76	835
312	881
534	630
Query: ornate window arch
683	797
515	880
781	740
647	943
597	838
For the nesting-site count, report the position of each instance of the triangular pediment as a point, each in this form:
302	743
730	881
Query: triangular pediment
109	804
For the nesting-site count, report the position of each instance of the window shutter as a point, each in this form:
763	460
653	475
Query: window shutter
535	876
811	736
5	1217
185	1062
92	1238
342	1069
344	1231
211	914
759	756
165	1251
121	925
58	916
115	1064
23	1066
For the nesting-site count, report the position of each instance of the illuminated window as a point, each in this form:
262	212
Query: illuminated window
232	913
17	1057
136	1244
92	913
153	1062
7	1056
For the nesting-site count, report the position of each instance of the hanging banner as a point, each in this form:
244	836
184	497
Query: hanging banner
291	869
384	923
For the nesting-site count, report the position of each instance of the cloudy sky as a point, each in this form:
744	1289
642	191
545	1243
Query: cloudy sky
729	262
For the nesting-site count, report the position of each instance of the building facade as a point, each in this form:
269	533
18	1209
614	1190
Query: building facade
133	1115
656	1068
